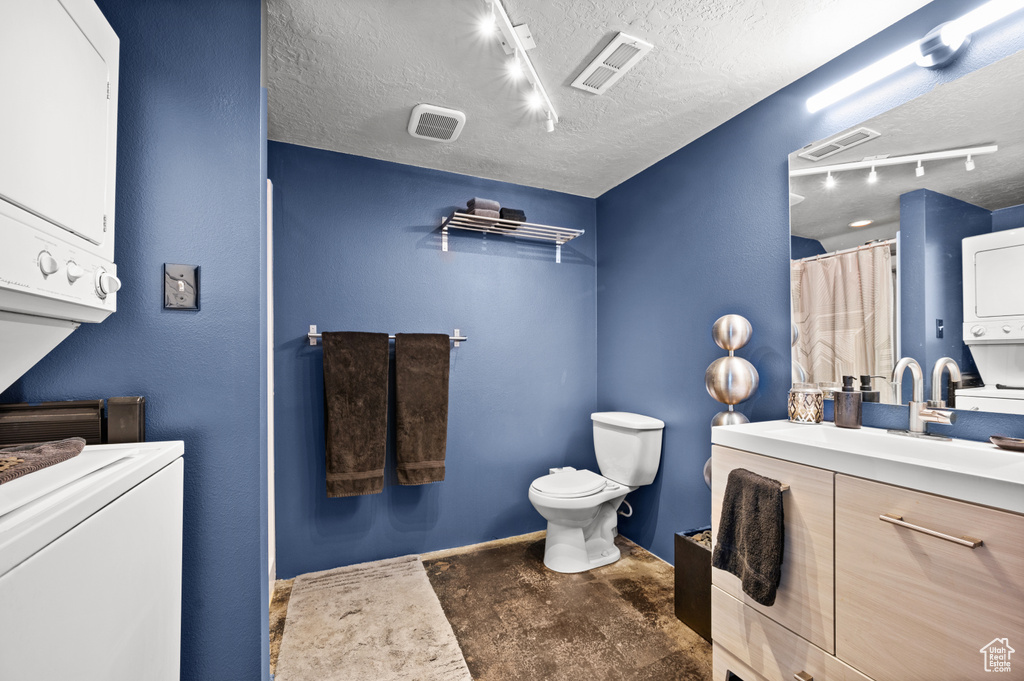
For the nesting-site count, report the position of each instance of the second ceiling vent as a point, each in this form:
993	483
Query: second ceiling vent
436	123
621	54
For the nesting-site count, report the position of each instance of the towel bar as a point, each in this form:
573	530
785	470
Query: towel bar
314	336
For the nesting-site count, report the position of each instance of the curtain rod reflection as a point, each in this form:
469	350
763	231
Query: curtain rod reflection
873	244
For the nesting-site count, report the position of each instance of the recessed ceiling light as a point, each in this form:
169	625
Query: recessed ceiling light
860	223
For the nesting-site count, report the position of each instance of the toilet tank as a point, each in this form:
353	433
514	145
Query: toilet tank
628	446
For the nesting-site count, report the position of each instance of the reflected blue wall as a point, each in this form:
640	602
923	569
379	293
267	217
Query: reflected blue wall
1008	218
801	247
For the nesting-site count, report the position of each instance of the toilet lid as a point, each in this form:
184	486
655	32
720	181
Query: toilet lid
570	484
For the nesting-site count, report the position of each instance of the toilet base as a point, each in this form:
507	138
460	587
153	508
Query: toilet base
578	549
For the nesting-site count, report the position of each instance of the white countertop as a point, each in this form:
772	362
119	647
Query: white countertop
978	472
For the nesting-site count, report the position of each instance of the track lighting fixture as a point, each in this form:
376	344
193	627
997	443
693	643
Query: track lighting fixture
520	67
969	163
830	182
872	176
967	153
920	170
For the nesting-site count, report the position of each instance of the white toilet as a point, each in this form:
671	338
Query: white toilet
581	506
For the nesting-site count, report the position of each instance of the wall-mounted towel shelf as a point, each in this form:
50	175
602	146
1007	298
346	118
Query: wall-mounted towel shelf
519	230
315	336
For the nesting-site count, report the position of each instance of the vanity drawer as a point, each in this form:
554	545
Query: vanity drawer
805	602
746	641
910	605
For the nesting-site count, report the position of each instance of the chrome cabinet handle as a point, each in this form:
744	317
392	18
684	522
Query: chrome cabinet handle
803	676
969	542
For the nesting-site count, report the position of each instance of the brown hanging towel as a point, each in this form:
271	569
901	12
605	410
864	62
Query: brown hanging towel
355	411
421	406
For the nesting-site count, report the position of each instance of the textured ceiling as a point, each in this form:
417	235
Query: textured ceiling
345	74
984	107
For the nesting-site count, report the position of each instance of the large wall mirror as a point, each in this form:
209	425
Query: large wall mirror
878	218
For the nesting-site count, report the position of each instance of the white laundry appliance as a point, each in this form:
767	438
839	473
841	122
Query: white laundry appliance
994	320
58	136
90	567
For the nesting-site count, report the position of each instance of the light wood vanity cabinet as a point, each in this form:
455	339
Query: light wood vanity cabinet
910	605
865	599
804	603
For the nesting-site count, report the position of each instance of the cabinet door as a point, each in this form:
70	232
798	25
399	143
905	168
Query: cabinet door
805	603
911	605
58	122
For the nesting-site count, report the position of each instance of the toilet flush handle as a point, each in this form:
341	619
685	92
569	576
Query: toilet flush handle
626	504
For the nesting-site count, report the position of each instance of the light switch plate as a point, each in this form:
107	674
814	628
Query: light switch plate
181	287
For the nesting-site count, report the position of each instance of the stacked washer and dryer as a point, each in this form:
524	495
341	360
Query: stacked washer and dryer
994	320
90	549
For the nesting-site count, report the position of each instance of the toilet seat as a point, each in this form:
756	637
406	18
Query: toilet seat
570	484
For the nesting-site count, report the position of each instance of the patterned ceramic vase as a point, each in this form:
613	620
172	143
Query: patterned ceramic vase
806	404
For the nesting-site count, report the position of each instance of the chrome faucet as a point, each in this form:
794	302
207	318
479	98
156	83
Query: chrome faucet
921	414
954	375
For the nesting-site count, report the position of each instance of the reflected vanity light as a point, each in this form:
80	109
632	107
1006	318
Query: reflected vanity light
936	49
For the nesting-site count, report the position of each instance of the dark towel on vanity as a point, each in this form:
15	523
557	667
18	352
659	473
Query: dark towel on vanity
24	459
355	411
477	203
421	406
512	214
751	534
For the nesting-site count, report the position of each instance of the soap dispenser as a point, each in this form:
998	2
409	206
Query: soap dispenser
848	405
867	393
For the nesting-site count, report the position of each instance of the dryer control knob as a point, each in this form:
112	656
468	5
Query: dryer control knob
978	331
106	283
75	271
47	263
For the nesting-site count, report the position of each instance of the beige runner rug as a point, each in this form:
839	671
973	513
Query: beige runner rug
369	622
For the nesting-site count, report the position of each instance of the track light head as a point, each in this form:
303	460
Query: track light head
919	171
534	100
549	124
969	164
872	176
830	182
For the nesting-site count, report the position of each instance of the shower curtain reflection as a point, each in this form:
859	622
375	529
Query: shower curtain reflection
843	310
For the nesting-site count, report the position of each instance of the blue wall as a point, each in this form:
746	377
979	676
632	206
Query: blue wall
932	227
1008	218
800	247
357	248
706	232
189	191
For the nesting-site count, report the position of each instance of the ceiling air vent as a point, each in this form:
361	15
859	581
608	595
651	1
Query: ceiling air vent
845	141
436	123
621	54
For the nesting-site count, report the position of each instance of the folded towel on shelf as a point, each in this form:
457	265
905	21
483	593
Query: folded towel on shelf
751	534
421	406
484	213
24	459
355	411
513	214
485	204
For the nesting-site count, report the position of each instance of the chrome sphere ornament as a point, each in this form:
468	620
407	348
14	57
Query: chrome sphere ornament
729	418
730	380
731	332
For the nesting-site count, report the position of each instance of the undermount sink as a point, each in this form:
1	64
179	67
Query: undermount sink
973	471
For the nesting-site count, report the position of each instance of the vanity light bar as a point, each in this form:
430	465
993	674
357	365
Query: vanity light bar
512	38
897	160
953	36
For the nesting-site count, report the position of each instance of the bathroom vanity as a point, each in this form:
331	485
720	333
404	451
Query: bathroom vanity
904	558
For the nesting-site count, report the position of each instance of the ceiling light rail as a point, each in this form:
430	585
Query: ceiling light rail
519	230
512	39
967	152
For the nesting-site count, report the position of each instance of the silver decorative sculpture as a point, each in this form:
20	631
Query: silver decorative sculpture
731	379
